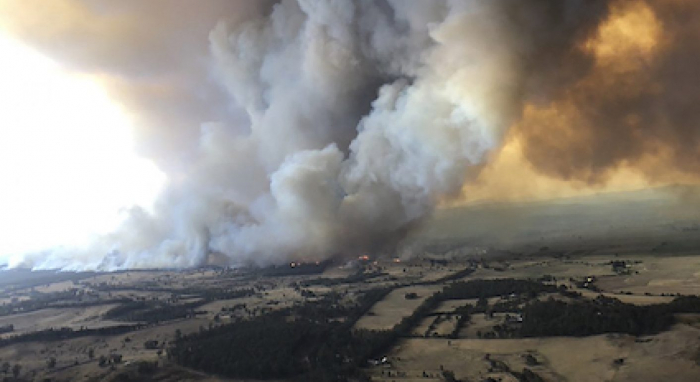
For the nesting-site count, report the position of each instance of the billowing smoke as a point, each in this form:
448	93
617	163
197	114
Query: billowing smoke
361	116
635	105
348	121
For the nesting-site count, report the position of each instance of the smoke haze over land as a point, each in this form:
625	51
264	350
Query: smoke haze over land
300	130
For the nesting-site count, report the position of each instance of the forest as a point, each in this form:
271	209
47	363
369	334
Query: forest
306	342
312	341
602	315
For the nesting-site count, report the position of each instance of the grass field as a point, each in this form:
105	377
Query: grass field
668	356
394	307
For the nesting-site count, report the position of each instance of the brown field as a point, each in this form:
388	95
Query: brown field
443	325
75	318
657	275
481	323
390	311
668	356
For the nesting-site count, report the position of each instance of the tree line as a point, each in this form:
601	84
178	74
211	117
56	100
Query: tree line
67	333
602	315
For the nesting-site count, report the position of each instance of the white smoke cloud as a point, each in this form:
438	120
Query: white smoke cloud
362	115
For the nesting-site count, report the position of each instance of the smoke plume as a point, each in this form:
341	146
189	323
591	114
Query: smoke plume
634	106
339	124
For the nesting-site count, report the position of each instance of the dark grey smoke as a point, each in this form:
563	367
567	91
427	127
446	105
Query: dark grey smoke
637	108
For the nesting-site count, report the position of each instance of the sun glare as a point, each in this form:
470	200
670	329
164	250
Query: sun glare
67	165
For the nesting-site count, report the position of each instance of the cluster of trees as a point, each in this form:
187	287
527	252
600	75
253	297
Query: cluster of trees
303	342
602	315
294	269
273	346
152	311
127	308
234	307
67	333
357	277
225	294
464	314
113	359
149	286
331	307
494	288
151	345
526	375
7	368
66	299
7	329
454	276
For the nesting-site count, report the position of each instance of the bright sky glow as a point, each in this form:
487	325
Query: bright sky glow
67	165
